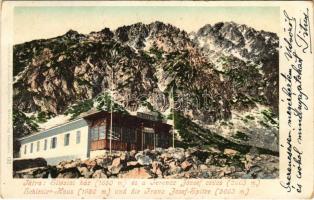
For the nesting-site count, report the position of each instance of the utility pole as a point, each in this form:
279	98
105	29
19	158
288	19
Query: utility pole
142	136
114	55
111	109
154	136
172	118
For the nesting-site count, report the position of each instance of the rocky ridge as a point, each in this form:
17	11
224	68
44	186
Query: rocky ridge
235	66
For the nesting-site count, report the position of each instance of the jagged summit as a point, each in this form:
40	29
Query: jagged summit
71	33
236	65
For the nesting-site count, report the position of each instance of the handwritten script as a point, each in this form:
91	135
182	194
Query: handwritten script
296	46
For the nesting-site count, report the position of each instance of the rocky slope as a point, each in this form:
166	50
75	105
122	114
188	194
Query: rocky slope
162	163
224	79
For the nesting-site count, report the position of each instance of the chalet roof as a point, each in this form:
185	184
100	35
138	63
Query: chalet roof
100	114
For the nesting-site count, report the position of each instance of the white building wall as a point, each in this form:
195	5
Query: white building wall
71	151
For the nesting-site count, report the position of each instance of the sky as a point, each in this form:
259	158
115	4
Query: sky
43	22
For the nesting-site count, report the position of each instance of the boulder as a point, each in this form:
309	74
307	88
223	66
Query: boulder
173	150
28	163
204	174
208	161
228	170
147	151
116	162
69	173
99	161
136	173
166	156
85	172
27	176
186	165
159	150
106	162
137	155
90	163
41	173
96	167
124	156
132	164
144	160
200	155
114	169
99	174
116	166
53	171
214	150
70	165
187	154
230	152
157	168
133	153
174	168
37	172
203	167
179	156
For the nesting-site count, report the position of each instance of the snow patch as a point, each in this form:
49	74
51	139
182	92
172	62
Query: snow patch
20	75
148	44
30	114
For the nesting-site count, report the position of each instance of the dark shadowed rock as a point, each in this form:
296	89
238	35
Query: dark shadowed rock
41	173
37	172
157	168
132	164
99	174
28	163
106	162
69	173
85	172
201	155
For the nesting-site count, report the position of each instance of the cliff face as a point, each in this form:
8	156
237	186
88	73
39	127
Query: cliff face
224	79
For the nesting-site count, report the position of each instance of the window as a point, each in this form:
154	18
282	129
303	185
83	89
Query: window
78	137
156	140
102	132
38	145
53	143
31	148
94	133
98	133
25	149
66	139
148	138
116	133
128	135
45	144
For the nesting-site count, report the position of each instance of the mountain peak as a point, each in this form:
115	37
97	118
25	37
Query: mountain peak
71	32
71	74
